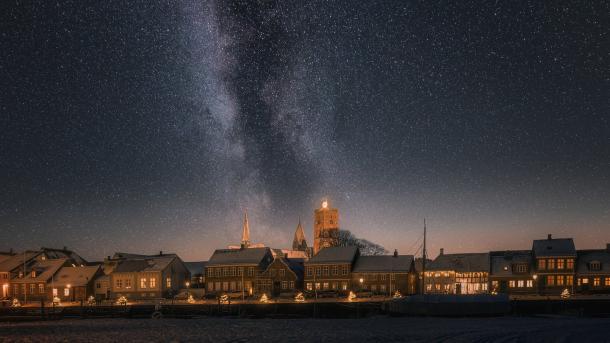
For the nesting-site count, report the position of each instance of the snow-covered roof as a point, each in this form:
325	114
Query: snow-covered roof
467	262
335	255
554	247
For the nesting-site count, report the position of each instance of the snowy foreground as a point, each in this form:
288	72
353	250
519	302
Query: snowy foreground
377	329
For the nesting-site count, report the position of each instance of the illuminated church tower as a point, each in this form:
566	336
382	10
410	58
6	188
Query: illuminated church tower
325	227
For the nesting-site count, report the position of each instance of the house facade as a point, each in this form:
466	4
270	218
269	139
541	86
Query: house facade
555	261
281	276
512	272
466	273
236	270
384	275
72	284
330	270
593	271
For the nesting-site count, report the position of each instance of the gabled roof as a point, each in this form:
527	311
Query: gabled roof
586	256
196	268
147	264
554	247
44	271
335	255
75	276
468	262
239	256
501	261
16	261
385	263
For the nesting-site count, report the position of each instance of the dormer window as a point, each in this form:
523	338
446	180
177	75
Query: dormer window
595	265
33	274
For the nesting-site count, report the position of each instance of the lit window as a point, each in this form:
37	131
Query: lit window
596	281
119	283
284	284
41	288
529	283
66	291
325	285
127	283
344	285
511	283
153	282
607	281
143	283
542	264
570	263
550	280
309	286
32	288
569	280
585	281
560	264
317	285
168	282
520	283
551	264
54	292
560	280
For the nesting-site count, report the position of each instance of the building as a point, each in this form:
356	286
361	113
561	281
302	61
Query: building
283	275
148	276
458	274
236	270
330	269
74	283
33	285
554	261
512	272
325	227
385	274
593	270
197	271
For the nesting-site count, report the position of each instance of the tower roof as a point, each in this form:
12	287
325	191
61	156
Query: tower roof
245	234
299	237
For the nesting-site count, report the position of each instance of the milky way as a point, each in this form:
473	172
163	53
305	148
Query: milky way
144	126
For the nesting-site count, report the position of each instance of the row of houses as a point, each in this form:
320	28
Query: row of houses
549	268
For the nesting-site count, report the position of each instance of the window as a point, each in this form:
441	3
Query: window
607	281
143	283
32	288
560	263
550	280
542	264
596	281
529	283
168	282
521	268
335	270
325	285
318	271
569	280
153	282
392	277
284	284
325	270
98	285
291	284
570	263
309	286
41	288
233	271
550	264
585	281
225	272
521	283
344	270
317	285
54	292
382	288
250	271
282	272
344	285
383	277
595	265
127	283
66	291
240	271
309	271
511	283
559	280
119	283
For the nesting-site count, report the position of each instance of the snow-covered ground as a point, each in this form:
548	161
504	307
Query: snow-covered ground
377	329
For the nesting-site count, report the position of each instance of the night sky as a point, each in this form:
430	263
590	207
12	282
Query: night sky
146	125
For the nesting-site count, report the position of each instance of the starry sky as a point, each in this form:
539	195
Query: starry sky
152	125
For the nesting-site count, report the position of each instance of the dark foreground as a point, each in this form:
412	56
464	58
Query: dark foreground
375	329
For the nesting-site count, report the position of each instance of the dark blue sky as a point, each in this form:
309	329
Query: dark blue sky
144	126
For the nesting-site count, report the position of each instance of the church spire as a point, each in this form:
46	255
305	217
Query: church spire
245	234
299	242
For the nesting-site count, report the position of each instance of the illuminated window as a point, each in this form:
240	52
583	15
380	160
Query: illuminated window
344	285
559	280
529	283
153	282
32	288
585	281
569	280
119	283
325	285
291	284
66	291
550	264
127	283
596	281
511	283
560	263
542	264
168	282
317	285
607	281
570	263
143	283
54	292
428	287
41	288
520	283
550	280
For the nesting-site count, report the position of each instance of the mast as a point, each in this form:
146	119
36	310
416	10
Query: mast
423	262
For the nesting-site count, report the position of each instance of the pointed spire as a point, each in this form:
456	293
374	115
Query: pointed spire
299	242
245	234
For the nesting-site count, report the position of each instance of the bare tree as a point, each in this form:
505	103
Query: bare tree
346	238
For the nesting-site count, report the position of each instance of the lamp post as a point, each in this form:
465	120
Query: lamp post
535	277
69	292
361	281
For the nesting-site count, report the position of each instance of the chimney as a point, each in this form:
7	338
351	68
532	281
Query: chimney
395	252
442	251
550	237
160	252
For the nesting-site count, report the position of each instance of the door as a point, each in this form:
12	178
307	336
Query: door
276	288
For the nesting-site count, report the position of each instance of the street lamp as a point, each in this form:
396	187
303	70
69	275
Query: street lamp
361	281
